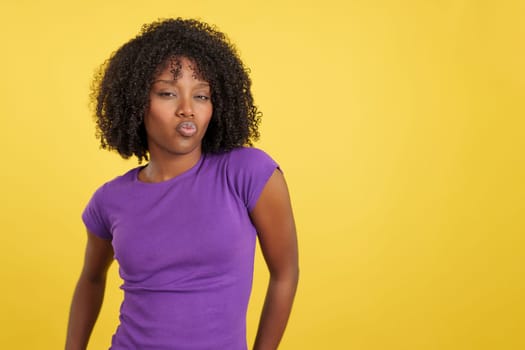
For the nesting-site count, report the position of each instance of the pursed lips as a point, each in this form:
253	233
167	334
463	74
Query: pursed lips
187	128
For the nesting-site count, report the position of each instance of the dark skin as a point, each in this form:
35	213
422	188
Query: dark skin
170	155
89	293
273	219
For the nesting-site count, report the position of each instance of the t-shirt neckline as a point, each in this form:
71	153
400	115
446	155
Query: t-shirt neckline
169	181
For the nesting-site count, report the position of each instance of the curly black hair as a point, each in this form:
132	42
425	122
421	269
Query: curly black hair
120	90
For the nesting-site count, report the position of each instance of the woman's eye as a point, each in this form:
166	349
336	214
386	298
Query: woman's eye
166	94
202	97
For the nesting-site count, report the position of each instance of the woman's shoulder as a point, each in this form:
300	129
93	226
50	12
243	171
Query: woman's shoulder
119	182
248	163
249	169
248	156
242	162
239	158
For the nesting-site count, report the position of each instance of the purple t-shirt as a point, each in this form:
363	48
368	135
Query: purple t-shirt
185	249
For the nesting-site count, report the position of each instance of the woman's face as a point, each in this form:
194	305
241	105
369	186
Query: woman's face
179	111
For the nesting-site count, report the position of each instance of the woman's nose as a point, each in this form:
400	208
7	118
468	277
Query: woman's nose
184	108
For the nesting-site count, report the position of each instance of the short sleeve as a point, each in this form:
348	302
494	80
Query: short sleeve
94	217
250	168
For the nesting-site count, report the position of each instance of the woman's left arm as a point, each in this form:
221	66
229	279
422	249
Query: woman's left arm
273	219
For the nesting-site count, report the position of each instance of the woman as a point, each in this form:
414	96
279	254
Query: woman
183	226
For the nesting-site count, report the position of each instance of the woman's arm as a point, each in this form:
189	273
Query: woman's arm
273	219
89	292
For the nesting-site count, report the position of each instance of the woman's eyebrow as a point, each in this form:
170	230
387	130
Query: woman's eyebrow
203	84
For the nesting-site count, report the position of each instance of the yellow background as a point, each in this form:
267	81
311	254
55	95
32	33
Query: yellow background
400	128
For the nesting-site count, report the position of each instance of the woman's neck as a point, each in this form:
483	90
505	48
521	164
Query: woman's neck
161	169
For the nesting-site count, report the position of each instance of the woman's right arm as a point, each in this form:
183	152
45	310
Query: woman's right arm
89	292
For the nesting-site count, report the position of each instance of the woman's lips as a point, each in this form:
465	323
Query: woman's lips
187	129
